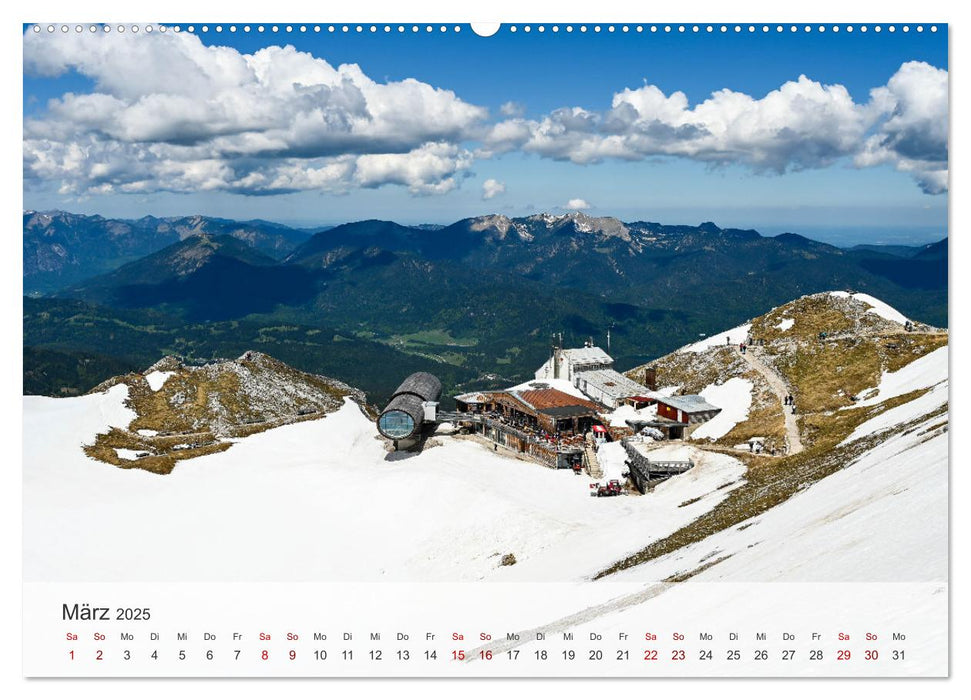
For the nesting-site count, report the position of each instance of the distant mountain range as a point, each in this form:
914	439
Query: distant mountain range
483	295
61	248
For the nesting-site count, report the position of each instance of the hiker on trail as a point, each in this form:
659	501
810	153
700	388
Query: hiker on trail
741	348
728	340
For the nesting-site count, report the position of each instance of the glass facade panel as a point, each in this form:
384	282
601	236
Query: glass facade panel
396	424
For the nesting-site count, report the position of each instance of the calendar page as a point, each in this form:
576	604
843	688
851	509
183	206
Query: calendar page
485	351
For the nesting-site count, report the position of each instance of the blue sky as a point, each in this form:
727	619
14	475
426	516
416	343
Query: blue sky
102	135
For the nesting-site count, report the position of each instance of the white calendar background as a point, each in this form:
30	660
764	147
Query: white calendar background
495	630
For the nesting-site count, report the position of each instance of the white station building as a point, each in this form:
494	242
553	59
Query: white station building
591	370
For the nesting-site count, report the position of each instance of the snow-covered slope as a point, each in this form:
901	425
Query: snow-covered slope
924	372
323	500
882	518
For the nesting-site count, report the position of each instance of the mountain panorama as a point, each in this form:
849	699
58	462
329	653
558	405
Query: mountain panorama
852	486
475	302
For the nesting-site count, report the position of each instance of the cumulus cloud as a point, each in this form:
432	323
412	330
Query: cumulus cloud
914	136
167	112
512	109
803	124
577	204
492	188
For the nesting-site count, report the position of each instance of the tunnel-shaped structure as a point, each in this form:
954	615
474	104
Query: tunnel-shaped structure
405	412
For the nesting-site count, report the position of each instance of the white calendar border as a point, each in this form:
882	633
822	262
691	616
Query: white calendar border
431	10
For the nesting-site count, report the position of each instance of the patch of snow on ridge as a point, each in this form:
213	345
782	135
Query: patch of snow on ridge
156	380
735	336
785	324
734	398
880	308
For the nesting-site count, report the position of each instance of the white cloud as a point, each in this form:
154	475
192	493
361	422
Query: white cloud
512	109
577	205
168	113
802	124
914	136
492	188
430	169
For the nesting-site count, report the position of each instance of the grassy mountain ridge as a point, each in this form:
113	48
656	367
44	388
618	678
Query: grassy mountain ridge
184	411
831	379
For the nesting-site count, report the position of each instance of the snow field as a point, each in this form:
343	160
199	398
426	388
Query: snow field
156	380
320	500
734	398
